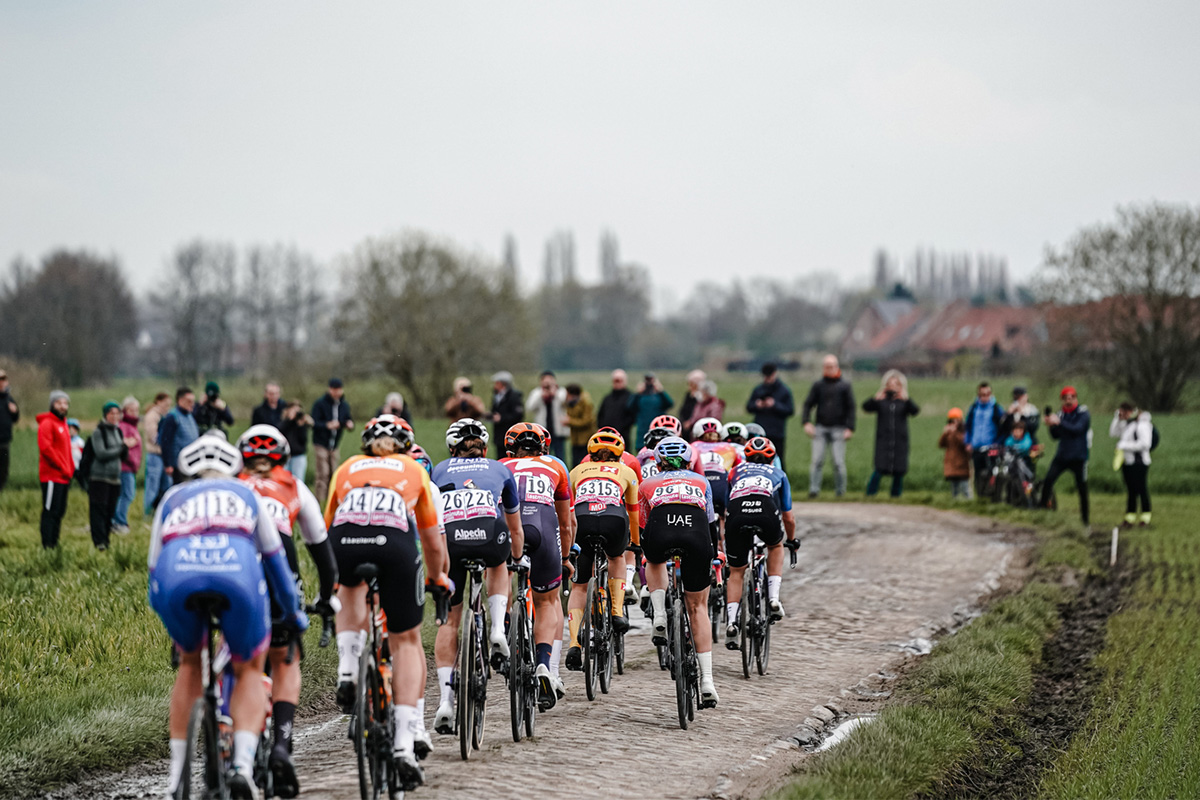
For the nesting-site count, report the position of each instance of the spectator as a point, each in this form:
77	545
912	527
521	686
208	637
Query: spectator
295	429
508	408
1072	427
176	431
832	397
270	411
983	425
331	417
709	405
687	409
154	463
546	406
647	404
77	444
894	407
581	417
614	411
212	411
131	462
104	474
394	404
1020	409
462	402
956	463
56	467
1134	432
9	414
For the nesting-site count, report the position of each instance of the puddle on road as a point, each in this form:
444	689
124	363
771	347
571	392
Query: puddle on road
843	731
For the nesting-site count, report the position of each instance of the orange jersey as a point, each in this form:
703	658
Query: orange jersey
603	485
381	492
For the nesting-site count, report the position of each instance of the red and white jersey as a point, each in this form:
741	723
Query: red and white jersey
718	456
541	480
289	502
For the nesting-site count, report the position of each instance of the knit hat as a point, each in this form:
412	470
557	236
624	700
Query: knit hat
211	388
111	405
1066	390
503	376
59	394
954	413
73	423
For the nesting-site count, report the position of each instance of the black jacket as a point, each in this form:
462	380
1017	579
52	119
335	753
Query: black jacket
263	414
296	435
614	412
7	418
773	419
1072	434
404	414
686	409
511	408
209	416
833	398
891	433
325	410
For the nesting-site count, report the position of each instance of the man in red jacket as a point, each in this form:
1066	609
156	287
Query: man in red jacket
55	465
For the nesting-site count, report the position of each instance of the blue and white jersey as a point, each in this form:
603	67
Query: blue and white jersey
205	516
474	488
749	479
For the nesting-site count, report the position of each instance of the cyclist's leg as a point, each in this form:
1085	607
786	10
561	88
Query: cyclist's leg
655	542
499	584
188	686
695	585
616	542
402	598
247	707
351	621
445	648
739	538
545	577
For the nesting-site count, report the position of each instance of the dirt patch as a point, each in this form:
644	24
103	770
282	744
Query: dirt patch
1025	743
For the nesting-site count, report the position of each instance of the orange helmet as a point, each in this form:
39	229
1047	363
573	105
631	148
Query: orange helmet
760	447
606	439
526	436
669	422
614	432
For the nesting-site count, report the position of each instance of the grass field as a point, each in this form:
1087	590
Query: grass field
1176	467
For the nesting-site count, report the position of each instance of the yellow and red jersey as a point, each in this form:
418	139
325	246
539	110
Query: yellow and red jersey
603	486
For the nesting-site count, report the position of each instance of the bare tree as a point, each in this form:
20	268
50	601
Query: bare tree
1130	290
199	297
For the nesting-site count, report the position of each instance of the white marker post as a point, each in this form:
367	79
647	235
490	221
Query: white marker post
1112	556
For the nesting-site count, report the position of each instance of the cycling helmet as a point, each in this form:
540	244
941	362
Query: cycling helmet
388	426
735	430
760	450
754	429
606	439
463	429
614	432
418	454
673	453
210	453
706	425
669	422
526	436
654	436
264	441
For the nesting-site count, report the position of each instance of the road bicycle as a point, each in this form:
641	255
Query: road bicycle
754	615
681	647
596	636
473	668
522	682
204	765
717	575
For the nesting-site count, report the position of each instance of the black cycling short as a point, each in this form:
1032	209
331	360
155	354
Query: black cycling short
718	482
483	539
676	526
401	573
750	516
543	545
612	529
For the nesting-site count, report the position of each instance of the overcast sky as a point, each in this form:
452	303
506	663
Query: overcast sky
716	139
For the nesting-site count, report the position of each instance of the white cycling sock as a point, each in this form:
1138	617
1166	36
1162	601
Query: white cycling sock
555	656
445	675
497	605
731	612
773	582
350	647
629	570
245	745
420	719
658	602
403	718
705	660
178	754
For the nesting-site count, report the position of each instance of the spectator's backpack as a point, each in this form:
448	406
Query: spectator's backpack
84	470
1153	437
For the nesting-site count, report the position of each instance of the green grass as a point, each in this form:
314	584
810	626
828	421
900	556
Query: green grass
1176	467
1140	739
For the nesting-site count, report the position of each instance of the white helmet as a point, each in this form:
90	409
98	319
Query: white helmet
266	441
210	452
734	429
706	425
466	428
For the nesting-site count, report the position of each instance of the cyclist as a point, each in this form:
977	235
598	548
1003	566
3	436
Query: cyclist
754	429
678	510
213	534
376	499
631	461
482	517
605	499
716	458
759	498
265	453
545	492
735	434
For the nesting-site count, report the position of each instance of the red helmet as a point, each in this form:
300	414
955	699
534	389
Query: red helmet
669	422
760	450
264	441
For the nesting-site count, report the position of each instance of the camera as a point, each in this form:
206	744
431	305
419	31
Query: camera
649	378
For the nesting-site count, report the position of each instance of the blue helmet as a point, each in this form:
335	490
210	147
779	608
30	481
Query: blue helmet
673	453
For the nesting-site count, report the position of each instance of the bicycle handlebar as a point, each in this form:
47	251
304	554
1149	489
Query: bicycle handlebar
327	623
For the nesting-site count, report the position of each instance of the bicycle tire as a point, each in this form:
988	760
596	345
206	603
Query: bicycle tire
203	745
466	665
483	671
516	670
762	648
262	757
680	666
619	651
745	623
715	605
691	665
585	640
602	630
367	744
530	676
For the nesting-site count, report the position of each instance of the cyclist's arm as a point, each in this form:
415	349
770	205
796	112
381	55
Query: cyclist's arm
510	496
789	524
156	537
275	564
316	539
632	503
433	543
566	532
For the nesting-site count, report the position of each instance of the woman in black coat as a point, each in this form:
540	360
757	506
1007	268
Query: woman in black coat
894	407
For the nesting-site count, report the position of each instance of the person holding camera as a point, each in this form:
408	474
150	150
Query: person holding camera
1134	432
581	417
894	407
1072	427
650	401
462	403
294	427
212	412
508	408
9	414
546	406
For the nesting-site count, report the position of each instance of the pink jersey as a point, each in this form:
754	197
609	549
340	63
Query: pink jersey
675	488
718	456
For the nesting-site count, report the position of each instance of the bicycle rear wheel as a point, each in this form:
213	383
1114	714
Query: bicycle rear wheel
746	622
603	633
203	772
367	745
762	647
619	652
483	671
466	666
586	636
516	670
679	664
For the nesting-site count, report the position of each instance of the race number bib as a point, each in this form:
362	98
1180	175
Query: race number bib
372	505
536	488
649	470
712	461
599	490
752	485
279	515
464	504
681	492
212	510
